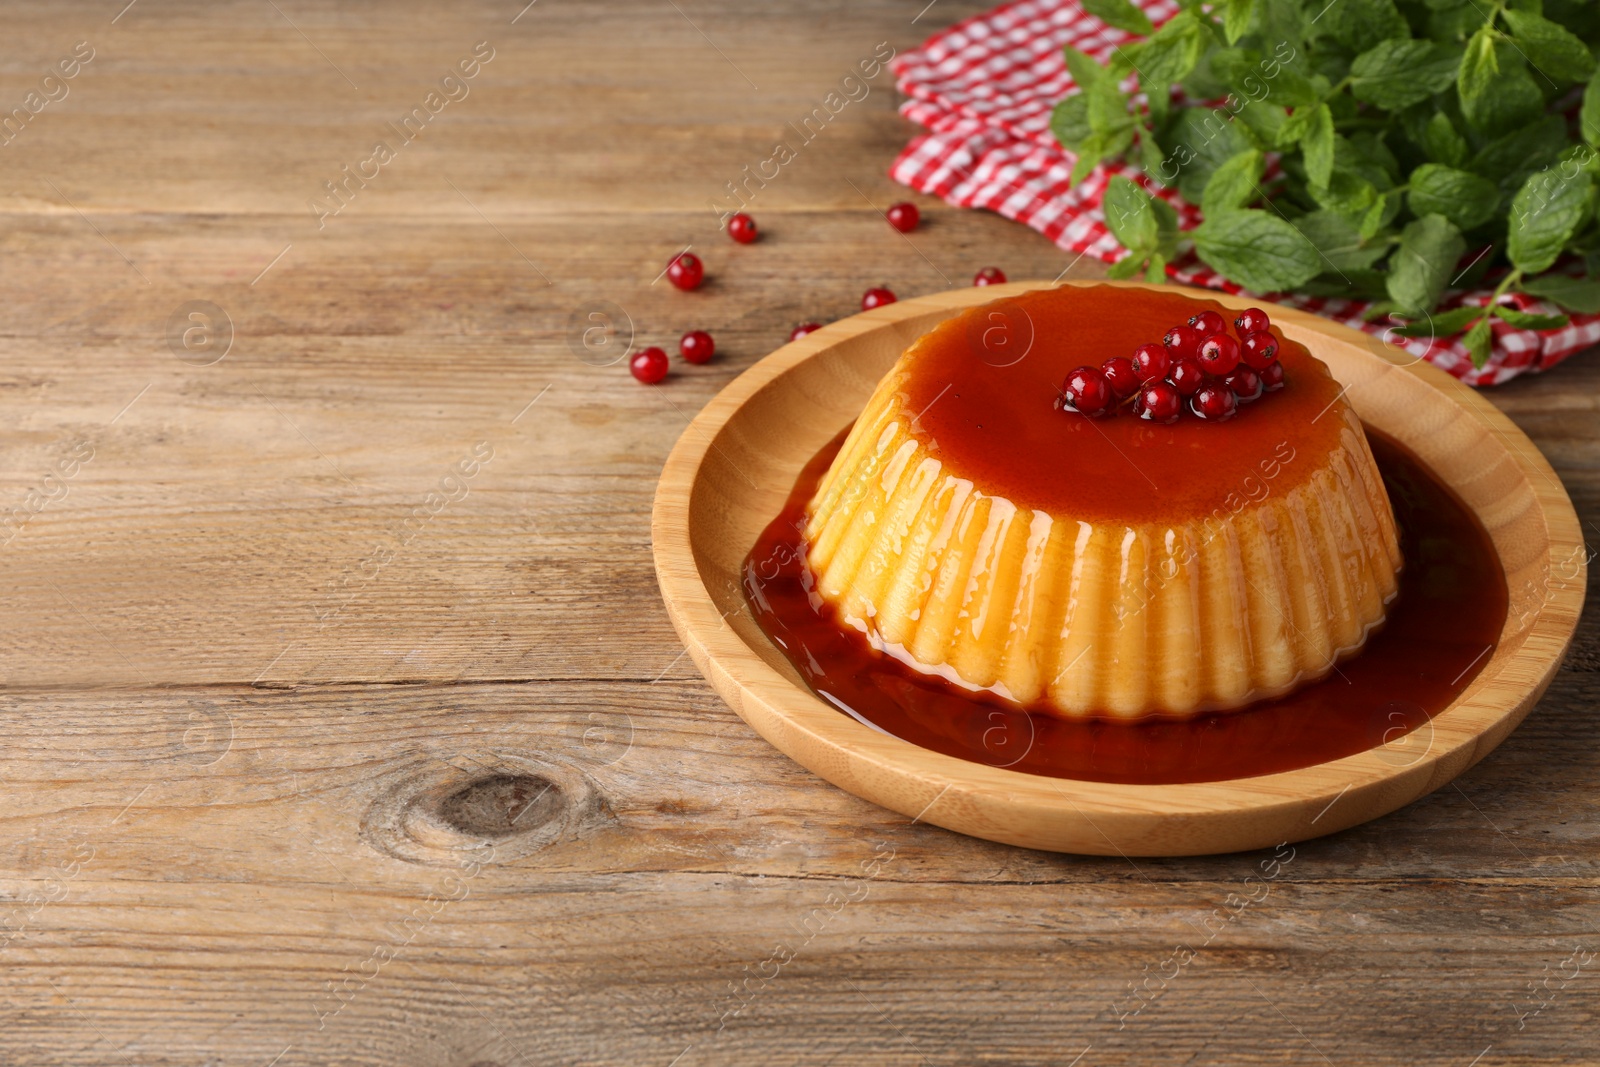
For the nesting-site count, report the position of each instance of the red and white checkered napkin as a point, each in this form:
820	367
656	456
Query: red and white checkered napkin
984	89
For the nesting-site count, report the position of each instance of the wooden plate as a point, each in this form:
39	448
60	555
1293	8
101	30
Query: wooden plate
734	466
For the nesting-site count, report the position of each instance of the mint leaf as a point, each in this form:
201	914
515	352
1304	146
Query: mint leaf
1121	14
1317	146
1549	46
1337	238
1360	24
1108	108
1477	342
1197	143
1265	122
1084	70
1396	74
1424	262
1126	267
1070	121
1172	53
1129	216
1574	294
1443	143
1443	324
1236	18
1156	272
1589	116
1513	99
1528	320
1261	79
1258	250
1545	213
1234	184
1478	68
1380	214
1465	199
1347	193
1509	160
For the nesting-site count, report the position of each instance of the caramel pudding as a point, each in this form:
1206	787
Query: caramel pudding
978	530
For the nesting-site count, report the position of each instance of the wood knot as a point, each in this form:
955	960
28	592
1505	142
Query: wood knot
502	805
438	811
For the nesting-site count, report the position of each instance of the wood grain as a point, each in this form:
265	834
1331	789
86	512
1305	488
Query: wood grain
180	578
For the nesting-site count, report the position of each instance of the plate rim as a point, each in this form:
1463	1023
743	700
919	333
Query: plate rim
1472	725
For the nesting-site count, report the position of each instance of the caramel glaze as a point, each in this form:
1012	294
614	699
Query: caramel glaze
1447	615
986	382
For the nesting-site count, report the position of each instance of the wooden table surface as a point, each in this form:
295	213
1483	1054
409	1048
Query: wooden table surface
344	722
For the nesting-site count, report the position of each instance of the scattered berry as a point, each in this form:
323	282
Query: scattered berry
1208	323
1151	362
1158	402
803	329
1251	320
989	276
685	271
649	365
1186	376
1258	349
1120	372
1087	391
874	298
1183	342
1272	377
1245	383
1215	403
903	216
742	228
1219	354
697	346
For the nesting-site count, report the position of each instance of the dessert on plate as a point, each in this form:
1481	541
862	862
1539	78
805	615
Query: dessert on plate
1107	502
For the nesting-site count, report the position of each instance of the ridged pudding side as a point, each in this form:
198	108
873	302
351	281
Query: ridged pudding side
1121	620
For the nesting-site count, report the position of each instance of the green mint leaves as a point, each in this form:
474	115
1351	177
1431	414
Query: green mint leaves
1421	147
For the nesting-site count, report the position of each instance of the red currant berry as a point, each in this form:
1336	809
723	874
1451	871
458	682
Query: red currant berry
1124	379
1215	403
1208	323
1251	320
803	329
1186	376
989	276
1245	383
1158	402
1272	377
742	228
903	216
697	346
1258	350
1087	391
649	365
1219	354
1183	341
1151	362
685	271
876	298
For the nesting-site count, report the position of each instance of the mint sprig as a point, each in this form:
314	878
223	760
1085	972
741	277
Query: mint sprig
1422	147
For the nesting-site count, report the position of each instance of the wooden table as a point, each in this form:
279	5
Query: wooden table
345	725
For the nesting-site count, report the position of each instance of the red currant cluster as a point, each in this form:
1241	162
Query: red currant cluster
1199	362
686	272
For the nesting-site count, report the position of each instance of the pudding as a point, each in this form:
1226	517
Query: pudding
978	529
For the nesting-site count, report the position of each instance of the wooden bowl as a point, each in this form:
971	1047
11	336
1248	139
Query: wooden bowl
734	466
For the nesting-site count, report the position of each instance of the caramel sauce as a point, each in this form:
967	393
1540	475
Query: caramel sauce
1439	632
984	384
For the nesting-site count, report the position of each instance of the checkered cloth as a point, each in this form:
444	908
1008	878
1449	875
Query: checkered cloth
985	88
